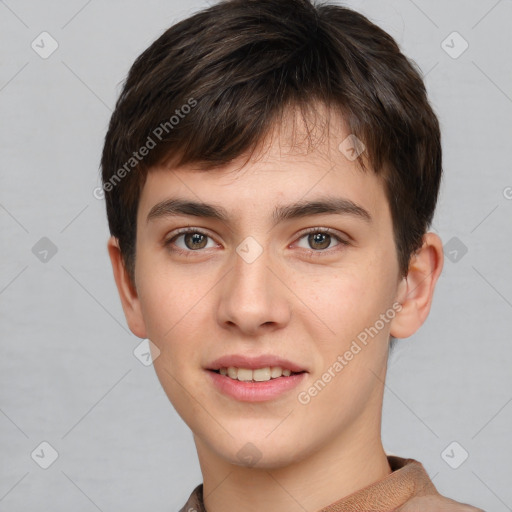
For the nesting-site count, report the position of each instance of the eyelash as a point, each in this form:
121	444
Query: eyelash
312	253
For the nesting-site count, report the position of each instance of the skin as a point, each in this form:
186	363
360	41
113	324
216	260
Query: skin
304	308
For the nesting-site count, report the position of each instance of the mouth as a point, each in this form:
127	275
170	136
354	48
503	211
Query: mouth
259	375
260	385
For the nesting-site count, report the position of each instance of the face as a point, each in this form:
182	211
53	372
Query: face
303	288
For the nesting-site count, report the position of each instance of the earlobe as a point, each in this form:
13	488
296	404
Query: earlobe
416	290
127	291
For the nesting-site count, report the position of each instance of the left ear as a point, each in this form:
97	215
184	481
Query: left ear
127	290
416	290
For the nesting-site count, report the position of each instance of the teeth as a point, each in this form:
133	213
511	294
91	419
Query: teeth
244	374
275	372
258	375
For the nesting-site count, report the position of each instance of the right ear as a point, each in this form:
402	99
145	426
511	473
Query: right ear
127	291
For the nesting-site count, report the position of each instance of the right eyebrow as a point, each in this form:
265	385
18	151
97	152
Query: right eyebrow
178	206
326	205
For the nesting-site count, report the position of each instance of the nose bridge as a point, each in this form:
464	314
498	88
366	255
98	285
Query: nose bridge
251	265
253	296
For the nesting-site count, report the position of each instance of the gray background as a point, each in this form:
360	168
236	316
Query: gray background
67	368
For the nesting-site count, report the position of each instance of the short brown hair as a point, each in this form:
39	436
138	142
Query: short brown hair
212	86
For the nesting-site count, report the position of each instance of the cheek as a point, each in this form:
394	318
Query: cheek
351	306
175	317
177	306
168	308
353	300
346	299
167	292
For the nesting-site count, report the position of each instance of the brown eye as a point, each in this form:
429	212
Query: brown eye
319	240
188	240
195	241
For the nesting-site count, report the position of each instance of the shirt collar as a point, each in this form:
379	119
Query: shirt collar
407	480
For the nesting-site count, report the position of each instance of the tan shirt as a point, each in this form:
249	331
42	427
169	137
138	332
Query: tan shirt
407	489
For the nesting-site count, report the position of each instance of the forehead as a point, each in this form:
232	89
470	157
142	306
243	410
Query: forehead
293	164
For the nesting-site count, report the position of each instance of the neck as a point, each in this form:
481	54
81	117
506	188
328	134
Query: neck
345	465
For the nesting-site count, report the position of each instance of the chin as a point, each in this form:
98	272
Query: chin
260	453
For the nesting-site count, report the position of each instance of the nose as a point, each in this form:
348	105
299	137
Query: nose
253	297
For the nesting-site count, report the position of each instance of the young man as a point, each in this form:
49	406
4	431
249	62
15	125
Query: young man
270	172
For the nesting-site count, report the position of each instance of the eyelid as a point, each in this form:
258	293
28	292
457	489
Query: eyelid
316	229
320	229
183	231
328	231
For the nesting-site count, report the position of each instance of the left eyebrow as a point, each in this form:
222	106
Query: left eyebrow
329	205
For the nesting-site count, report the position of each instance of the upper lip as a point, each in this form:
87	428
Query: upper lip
262	361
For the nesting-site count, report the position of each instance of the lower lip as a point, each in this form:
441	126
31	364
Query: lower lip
255	391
